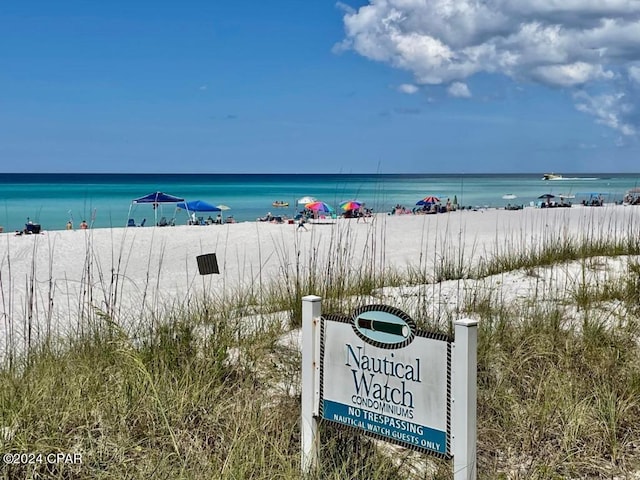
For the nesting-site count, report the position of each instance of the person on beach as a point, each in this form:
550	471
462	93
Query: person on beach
84	225
69	225
301	224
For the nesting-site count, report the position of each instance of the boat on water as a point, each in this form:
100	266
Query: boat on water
279	203
551	176
554	176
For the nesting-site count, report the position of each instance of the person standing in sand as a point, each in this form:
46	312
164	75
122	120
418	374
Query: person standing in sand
301	224
360	213
83	225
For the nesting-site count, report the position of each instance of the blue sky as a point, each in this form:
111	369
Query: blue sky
386	86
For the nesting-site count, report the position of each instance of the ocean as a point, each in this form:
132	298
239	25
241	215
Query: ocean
105	200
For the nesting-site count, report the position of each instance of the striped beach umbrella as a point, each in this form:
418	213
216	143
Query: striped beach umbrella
319	207
428	200
351	205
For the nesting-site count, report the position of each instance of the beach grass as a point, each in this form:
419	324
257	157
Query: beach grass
209	389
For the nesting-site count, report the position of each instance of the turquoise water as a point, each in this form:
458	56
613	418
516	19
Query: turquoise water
105	200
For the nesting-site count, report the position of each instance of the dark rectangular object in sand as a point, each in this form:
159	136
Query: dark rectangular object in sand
207	264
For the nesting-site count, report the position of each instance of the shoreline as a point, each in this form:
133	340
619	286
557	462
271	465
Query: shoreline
327	220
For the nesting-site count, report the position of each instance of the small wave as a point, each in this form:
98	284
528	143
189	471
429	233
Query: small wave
574	178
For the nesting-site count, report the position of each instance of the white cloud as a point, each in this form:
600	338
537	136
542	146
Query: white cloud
609	110
345	8
570	44
459	89
634	73
408	88
570	75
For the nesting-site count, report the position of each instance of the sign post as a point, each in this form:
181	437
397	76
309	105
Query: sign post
311	311
464	365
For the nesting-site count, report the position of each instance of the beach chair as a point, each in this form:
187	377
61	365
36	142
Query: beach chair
31	227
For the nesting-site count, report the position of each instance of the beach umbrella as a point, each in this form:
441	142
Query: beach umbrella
351	205
547	195
224	208
428	200
198	206
509	196
306	199
562	195
319	207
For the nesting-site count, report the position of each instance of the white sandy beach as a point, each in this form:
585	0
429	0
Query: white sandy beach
49	280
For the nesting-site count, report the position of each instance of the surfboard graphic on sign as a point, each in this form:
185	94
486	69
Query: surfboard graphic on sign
384	326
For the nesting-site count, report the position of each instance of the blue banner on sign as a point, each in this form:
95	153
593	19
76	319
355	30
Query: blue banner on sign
399	430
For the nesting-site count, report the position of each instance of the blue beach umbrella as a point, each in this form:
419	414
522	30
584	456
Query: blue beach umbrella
198	206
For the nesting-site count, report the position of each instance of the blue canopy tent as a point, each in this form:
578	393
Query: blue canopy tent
156	199
198	206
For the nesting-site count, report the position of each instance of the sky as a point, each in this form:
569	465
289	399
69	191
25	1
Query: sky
291	86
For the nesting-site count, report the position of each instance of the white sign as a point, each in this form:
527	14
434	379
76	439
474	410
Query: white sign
376	373
396	392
